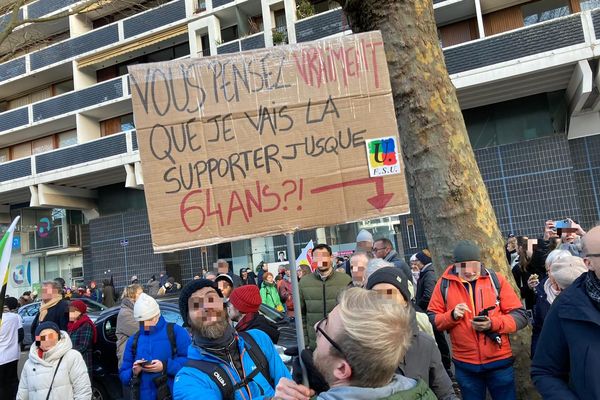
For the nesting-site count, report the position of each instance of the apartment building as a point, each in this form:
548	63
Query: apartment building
525	74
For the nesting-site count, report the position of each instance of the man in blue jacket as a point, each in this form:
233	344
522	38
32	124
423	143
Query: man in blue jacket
159	349
223	364
567	358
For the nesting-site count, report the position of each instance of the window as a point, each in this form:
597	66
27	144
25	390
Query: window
229	34
4	154
42	145
589	4
68	138
21	151
544	10
516	120
205	45
127	123
109	328
117	125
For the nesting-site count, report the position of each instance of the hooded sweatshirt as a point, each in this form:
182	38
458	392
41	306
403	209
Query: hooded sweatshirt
400	388
71	381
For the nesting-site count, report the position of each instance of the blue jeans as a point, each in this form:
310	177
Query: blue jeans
498	377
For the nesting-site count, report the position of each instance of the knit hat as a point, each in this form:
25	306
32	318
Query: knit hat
364	236
11	303
246	299
224	277
190	289
566	269
424	256
413	257
47	325
466	250
393	276
134	278
79	306
145	308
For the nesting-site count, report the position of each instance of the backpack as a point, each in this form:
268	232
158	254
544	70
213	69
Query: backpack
495	284
222	379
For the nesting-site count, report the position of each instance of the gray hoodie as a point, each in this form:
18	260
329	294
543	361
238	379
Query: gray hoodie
399	383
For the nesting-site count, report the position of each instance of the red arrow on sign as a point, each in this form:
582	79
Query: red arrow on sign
379	201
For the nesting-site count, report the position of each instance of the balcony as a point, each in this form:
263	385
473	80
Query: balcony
321	25
253	42
219	3
44	7
154	18
90	42
512	45
105	156
57	108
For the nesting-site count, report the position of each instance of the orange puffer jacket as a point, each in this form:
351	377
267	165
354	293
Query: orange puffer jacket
469	345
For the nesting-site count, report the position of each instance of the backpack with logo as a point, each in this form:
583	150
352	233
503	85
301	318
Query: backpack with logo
222	379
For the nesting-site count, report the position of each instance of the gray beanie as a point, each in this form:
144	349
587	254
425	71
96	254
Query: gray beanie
466	250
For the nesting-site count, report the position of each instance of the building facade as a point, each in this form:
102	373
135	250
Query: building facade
525	74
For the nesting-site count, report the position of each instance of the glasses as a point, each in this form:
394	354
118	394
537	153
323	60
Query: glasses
375	249
592	255
326	336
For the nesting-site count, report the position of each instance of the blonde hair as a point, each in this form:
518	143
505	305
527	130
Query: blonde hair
131	291
375	338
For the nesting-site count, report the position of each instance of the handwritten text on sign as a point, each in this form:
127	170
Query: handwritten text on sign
264	142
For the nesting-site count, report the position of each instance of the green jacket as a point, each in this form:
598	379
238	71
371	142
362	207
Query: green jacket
318	298
397	388
419	392
270	295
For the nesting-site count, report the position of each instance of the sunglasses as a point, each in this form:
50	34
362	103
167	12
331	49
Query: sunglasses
328	338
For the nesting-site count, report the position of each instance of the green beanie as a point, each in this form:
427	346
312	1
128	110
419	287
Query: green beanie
466	250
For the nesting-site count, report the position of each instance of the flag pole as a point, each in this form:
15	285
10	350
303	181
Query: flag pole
291	253
5	251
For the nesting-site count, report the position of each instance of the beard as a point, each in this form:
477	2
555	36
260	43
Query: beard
323	364
210	329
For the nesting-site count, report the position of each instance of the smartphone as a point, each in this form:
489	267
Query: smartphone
145	363
563	224
480	318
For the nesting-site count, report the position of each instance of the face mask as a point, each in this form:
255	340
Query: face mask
415	275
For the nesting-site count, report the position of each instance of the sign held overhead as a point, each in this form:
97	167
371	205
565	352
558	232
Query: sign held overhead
267	142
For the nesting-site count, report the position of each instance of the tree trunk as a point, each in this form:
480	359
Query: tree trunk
440	165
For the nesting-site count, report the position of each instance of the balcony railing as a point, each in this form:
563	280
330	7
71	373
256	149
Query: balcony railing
219	3
256	41
43	7
321	25
69	49
512	45
14	118
69	157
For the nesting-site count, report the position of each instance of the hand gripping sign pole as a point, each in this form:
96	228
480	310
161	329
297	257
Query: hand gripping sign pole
291	254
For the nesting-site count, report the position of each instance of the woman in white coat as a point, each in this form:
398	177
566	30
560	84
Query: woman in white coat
54	370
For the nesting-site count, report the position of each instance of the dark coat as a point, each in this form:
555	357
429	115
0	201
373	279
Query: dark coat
425	286
108	294
59	314
262	324
393	258
521	277
567	359
540	310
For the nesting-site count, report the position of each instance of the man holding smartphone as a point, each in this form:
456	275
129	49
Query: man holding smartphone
479	308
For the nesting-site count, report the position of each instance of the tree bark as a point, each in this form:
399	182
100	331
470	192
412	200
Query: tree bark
440	165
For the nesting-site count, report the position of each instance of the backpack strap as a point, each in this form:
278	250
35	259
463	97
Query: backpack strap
495	282
222	379
134	344
217	374
493	276
258	357
172	340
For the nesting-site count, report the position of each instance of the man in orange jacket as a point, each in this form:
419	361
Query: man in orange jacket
479	309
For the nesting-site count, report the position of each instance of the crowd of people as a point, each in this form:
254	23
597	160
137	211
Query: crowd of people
374	328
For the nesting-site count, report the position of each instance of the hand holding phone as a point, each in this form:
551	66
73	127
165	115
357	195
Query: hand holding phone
480	318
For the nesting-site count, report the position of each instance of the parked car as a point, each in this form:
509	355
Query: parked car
105	376
29	311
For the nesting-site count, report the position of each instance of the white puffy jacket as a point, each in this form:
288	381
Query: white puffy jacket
72	380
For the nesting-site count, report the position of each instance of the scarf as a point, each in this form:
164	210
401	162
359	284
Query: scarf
551	293
46	306
83	319
225	348
592	287
242	325
210	344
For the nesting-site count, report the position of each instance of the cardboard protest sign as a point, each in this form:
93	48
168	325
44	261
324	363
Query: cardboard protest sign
267	142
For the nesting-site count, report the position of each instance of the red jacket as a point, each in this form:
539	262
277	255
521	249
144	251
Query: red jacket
468	345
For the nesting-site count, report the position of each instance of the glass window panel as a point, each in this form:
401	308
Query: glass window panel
127	122
21	150
544	10
67	138
4	155
42	145
589	4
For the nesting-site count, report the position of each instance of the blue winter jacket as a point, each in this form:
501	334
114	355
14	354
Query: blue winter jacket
154	345
540	311
190	382
567	358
